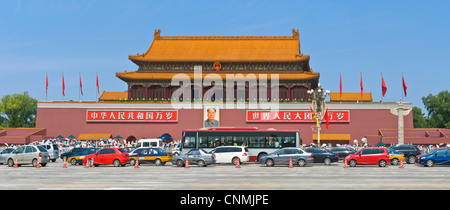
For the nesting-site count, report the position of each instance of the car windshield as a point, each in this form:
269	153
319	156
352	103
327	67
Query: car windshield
432	151
41	148
122	150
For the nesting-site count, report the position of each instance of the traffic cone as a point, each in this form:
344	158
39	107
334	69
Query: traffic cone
65	163
401	164
290	163
238	165
136	165
16	165
38	165
87	163
187	163
345	163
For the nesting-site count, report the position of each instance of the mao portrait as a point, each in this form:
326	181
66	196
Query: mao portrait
211	116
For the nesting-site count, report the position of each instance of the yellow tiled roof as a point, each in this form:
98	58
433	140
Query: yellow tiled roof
95	136
339	137
223	49
165	75
347	96
111	96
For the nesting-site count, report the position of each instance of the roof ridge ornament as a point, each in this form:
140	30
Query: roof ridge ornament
157	34
295	34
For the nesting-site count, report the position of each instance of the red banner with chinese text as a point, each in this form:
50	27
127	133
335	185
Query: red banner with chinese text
294	116
132	116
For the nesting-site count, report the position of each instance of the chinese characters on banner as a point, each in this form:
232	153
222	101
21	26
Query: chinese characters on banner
132	116
294	116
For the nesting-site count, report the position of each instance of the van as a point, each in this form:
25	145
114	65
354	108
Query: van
149	143
230	154
53	151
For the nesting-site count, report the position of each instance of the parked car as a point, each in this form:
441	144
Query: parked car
28	154
343	151
198	157
53	151
230	154
72	152
435	157
116	156
78	159
395	157
322	155
283	157
409	151
150	155
369	156
4	154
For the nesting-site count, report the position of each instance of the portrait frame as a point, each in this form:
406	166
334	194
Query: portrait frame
206	122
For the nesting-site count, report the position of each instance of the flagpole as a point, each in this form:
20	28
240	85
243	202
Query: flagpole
401	89
79	92
46	85
382	87
340	87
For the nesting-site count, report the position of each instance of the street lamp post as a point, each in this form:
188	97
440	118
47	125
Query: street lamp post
318	106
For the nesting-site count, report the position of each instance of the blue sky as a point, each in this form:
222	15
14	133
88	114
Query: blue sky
347	37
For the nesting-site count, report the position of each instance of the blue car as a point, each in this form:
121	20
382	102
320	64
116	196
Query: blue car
437	156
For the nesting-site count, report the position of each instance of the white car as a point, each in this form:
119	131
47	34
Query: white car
230	154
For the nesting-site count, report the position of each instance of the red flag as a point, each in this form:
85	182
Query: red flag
81	85
361	85
46	84
314	114
383	86
340	85
63	85
326	117
98	86
404	85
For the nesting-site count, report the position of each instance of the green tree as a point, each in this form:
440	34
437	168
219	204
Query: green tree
438	108
419	118
18	110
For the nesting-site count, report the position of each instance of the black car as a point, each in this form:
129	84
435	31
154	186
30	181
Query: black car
343	151
409	151
322	155
75	151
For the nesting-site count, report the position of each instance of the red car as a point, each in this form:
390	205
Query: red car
369	156
116	156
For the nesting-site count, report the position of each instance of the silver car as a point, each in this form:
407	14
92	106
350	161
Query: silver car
283	157
4	154
195	156
28	154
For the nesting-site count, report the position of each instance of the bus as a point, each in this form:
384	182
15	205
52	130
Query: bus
258	142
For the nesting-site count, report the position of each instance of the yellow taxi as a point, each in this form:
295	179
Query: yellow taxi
78	159
150	155
395	157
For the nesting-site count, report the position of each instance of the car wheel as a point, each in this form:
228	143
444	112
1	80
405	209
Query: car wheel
158	162
116	163
269	162
327	161
430	163
411	159
301	163
180	163
73	161
200	163
11	163
235	160
395	161
352	163
34	162
382	163
132	162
